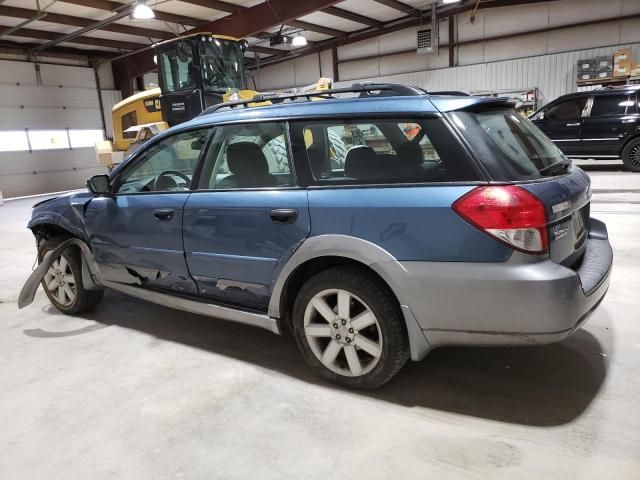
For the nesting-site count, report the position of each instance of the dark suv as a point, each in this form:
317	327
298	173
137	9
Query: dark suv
601	124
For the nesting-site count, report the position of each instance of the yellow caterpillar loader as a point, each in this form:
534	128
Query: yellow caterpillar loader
194	72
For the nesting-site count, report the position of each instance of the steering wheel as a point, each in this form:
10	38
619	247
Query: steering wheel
164	181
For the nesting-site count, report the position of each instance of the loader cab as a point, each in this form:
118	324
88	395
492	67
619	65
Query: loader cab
196	71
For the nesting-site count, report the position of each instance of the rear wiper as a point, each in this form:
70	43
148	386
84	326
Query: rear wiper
555	167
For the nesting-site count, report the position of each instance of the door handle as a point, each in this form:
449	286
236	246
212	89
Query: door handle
573	124
164	213
283	215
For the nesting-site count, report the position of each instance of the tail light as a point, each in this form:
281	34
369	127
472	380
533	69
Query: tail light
508	213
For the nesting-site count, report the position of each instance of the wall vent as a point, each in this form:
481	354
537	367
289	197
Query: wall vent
425	41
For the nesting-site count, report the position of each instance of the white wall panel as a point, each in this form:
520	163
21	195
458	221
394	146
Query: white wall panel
306	70
67	76
25	173
17	72
630	6
502	21
574	11
326	64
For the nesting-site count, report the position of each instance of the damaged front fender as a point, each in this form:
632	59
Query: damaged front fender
90	273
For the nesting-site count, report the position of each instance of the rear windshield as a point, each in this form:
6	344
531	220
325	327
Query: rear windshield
510	146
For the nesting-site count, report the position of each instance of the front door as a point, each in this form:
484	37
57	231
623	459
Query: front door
610	118
247	216
561	122
136	232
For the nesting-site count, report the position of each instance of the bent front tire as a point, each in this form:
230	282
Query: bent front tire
349	328
63	281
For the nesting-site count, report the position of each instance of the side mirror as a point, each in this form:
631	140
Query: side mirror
99	184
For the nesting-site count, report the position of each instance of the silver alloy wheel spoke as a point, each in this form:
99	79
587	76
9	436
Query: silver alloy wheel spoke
323	309
363	320
353	360
331	352
350	343
318	330
344	299
368	346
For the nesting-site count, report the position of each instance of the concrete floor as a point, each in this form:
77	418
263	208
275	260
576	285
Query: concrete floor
138	391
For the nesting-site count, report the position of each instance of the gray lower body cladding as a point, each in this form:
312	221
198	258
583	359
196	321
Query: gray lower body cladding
505	304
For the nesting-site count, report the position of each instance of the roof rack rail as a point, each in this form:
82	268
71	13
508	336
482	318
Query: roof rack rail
366	90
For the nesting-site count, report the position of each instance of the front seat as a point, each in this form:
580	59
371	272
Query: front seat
248	166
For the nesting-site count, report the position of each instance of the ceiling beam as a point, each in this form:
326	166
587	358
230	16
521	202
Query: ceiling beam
354	17
217	5
312	27
70	20
268	51
12	47
80	40
110	6
124	12
402	7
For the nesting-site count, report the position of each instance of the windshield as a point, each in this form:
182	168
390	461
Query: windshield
219	66
222	64
509	146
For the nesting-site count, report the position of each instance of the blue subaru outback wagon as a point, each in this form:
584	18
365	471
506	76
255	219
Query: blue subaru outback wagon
376	223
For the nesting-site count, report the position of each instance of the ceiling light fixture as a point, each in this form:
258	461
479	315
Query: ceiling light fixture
450	1
142	11
299	41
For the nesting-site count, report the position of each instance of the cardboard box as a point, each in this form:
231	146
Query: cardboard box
604	74
105	154
585	66
622	69
603	62
583	77
635	70
622	55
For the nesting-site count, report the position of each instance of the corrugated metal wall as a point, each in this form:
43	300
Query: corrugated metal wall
553	74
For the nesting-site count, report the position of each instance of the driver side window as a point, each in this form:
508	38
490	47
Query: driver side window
166	166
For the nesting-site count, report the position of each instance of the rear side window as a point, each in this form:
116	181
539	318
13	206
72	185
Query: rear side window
608	105
381	151
508	145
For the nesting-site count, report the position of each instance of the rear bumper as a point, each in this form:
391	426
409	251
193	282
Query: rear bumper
523	301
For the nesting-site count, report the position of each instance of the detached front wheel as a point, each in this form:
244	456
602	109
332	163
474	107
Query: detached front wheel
349	328
63	281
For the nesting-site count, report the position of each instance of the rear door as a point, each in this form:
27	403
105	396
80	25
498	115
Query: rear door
610	118
247	216
562	122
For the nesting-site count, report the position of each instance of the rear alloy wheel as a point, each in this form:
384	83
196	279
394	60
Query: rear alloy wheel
346	338
631	155
349	327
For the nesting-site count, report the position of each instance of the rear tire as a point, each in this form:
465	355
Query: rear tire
349	328
631	155
63	281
